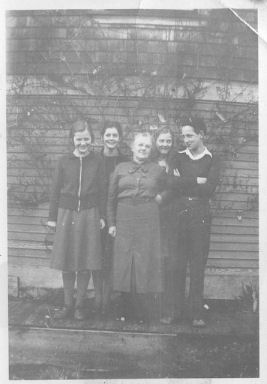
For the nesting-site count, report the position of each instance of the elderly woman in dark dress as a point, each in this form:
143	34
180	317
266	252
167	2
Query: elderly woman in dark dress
133	218
77	208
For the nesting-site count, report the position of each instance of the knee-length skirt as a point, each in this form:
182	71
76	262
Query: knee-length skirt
77	244
137	247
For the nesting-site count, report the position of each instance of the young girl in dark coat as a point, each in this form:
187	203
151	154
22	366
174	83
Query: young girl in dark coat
77	209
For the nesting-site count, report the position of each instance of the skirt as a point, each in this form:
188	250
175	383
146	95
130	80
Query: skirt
77	244
137	248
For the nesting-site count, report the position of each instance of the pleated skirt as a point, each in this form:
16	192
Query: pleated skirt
77	244
137	248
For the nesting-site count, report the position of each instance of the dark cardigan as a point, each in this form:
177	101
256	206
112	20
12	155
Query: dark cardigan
68	192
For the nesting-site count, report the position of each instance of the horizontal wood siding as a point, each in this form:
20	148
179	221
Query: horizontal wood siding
131	68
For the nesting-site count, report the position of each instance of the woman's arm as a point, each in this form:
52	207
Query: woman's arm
102	185
56	186
165	192
112	197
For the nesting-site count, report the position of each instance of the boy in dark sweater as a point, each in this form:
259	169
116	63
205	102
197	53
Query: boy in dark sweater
197	175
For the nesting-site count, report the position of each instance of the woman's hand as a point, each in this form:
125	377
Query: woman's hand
51	224
158	198
176	172
102	224
112	231
201	180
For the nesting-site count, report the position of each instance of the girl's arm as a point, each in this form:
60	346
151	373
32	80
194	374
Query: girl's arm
102	185
165	192
56	186
112	198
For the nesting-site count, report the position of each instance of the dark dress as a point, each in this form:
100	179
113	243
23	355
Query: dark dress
77	200
134	211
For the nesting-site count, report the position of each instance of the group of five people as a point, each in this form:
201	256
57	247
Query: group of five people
135	225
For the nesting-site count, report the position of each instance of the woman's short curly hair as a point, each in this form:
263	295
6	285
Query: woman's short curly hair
163	130
111	124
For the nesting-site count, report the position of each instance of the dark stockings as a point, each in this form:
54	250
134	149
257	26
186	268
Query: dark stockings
83	278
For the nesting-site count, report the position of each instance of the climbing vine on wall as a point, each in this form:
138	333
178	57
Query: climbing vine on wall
103	79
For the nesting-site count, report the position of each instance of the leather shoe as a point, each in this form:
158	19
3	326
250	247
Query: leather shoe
64	313
167	320
79	314
198	323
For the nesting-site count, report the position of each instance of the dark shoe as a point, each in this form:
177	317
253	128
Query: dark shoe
142	319
97	313
79	314
122	319
198	323
167	320
105	308
96	308
64	313
105	313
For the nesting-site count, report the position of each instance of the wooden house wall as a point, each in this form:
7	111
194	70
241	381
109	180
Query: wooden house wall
139	68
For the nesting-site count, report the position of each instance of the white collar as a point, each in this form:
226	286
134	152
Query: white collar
197	157
77	154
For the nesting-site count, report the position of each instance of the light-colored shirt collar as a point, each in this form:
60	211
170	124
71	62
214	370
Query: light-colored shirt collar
77	154
197	157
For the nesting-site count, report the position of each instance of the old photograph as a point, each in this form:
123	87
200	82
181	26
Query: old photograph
132	188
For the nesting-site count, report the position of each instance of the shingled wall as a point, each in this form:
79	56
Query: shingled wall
143	69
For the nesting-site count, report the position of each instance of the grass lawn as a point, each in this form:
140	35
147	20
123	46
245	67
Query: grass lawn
42	348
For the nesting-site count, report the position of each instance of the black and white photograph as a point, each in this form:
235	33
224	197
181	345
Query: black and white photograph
132	196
